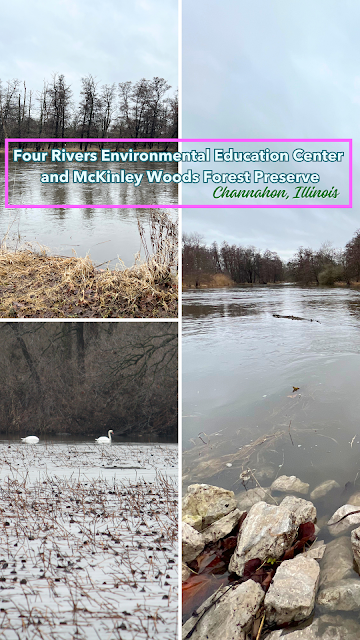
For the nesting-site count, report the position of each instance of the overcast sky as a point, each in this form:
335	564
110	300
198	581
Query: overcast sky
273	69
114	40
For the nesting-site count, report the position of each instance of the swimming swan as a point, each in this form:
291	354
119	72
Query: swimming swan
104	439
30	440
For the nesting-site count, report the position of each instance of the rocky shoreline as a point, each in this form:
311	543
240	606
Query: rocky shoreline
254	565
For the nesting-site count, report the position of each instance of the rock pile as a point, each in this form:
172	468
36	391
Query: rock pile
279	536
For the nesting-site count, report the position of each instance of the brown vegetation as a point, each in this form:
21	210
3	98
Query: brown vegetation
36	285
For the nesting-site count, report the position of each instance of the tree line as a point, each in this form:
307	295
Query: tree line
139	109
248	265
86	378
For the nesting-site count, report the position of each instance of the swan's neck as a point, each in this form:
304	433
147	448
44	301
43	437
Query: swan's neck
109	435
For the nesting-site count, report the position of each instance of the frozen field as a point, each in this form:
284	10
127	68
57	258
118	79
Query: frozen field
88	541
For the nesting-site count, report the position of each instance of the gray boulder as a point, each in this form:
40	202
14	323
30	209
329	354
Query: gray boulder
203	504
340	596
316	551
326	627
192	543
290	484
337	563
355	543
222	527
344	519
230	617
269	530
291	596
322	489
246	499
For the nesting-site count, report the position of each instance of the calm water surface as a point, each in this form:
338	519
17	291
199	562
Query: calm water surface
106	234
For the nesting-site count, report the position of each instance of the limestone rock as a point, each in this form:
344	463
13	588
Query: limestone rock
185	572
203	504
291	596
192	543
232	615
355	499
326	627
222	527
337	563
345	524
316	550
322	489
269	530
246	499
355	543
290	484
340	596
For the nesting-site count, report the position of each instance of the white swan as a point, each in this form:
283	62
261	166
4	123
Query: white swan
104	439
30	440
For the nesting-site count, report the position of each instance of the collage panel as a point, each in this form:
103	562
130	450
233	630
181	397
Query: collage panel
88	480
89	320
88	131
271	318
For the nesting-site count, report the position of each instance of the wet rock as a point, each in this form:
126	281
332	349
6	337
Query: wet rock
326	627
231	617
267	472
340	596
246	499
269	530
203	504
322	522
185	572
222	527
355	544
192	543
354	499
316	550
337	563
322	489
346	523
291	596
290	484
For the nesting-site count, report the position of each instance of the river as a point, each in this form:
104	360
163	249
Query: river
240	365
106	234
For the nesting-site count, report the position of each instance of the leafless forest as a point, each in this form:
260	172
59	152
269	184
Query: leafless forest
86	378
248	265
139	109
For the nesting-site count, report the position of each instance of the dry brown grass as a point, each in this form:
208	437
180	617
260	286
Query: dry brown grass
34	284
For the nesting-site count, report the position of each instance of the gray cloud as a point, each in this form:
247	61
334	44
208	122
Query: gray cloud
114	40
272	69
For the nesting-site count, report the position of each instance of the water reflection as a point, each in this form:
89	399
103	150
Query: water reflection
107	234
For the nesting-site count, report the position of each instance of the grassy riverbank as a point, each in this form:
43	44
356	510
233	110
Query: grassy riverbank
37	285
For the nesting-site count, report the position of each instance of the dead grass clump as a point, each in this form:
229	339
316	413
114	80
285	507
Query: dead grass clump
34	284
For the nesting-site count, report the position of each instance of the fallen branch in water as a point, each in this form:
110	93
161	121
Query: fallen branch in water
276	315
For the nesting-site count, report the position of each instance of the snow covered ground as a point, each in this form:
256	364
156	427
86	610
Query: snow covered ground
88	541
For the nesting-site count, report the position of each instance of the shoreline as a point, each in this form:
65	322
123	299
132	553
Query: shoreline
232	284
36	285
